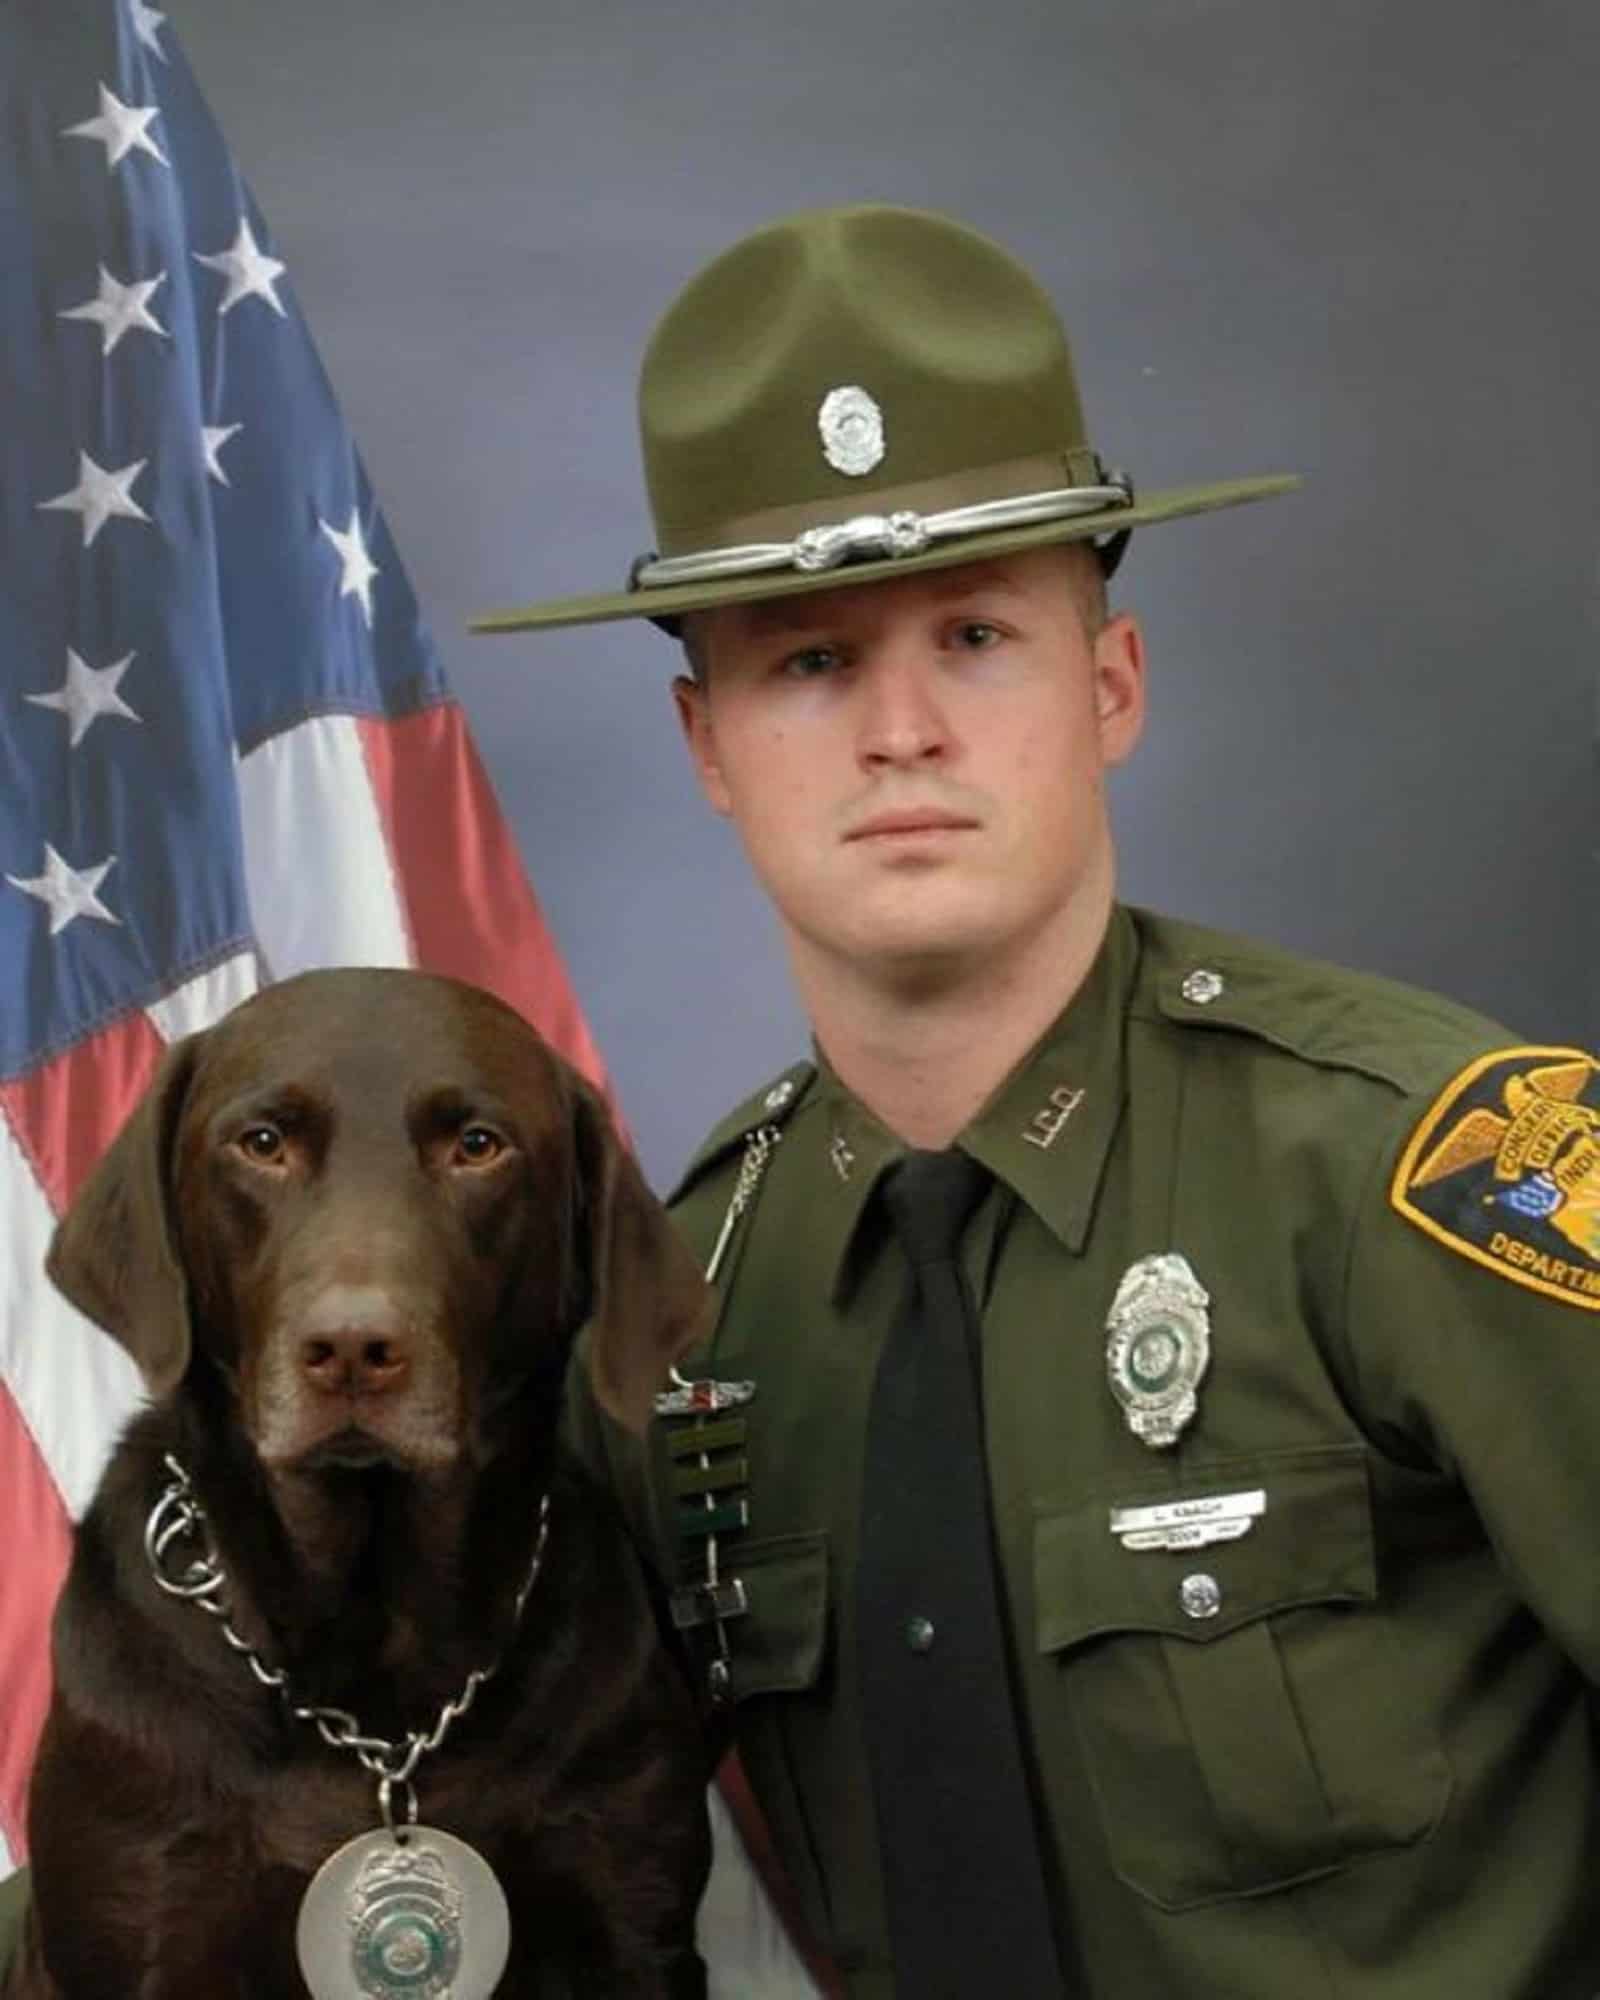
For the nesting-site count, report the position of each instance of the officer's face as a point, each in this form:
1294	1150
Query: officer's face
916	768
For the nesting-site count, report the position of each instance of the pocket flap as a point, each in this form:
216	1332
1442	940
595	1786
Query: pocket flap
778	1644
1310	1542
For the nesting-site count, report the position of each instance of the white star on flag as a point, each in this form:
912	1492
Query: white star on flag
86	694
146	22
213	437
120	308
119	128
69	893
99	494
250	272
359	568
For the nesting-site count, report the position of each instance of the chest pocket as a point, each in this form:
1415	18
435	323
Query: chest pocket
1243	1707
778	1645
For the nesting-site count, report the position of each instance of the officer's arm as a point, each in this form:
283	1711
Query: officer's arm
1476	1327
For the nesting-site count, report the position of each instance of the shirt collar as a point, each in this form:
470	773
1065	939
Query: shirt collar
1045	1133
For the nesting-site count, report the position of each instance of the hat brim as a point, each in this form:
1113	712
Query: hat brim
674	599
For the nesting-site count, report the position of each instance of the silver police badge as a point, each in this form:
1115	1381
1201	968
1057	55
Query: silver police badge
1157	1346
419	1918
852	430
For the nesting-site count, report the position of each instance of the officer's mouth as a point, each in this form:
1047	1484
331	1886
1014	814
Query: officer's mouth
909	824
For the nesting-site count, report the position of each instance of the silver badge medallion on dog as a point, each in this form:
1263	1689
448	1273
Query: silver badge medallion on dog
416	1918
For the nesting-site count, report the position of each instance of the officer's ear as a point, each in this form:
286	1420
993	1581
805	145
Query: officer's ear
690	698
1119	686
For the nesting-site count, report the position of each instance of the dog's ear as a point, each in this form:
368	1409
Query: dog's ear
113	1253
647	1300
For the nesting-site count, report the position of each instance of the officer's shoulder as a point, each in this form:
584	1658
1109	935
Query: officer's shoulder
1325	1015
770	1106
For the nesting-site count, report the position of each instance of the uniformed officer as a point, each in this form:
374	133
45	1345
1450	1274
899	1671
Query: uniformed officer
1287	1278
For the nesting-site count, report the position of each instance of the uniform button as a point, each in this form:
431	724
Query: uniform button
778	1096
1202	986
1200	1595
919	1634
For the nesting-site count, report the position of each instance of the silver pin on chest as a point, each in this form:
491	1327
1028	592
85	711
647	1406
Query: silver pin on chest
1158	1346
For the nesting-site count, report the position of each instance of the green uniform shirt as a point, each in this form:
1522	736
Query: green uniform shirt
1346	1753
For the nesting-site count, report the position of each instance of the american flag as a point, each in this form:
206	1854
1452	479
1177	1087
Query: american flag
227	748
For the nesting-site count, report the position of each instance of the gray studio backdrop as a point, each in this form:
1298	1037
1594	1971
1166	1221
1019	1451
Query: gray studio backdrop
1353	238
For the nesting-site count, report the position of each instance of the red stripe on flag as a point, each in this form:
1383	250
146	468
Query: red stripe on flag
68	1111
37	1541
469	904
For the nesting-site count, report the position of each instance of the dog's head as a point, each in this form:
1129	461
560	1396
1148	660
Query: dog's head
380	1206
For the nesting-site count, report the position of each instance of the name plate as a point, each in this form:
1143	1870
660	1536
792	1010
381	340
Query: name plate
1188	1524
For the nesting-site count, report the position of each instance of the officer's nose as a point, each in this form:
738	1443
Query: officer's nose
903	717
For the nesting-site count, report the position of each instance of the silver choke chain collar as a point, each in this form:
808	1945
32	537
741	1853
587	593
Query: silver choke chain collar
178	1517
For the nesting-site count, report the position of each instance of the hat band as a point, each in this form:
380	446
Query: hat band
904	533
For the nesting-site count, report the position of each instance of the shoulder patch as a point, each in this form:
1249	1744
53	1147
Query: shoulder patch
1504	1168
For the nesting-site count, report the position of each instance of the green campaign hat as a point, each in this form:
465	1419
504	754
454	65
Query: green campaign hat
857	393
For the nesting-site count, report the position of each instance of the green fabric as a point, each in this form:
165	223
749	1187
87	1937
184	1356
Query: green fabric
953	340
1369	1776
13	1908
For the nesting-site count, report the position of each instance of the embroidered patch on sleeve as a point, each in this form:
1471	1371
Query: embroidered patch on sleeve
1505	1169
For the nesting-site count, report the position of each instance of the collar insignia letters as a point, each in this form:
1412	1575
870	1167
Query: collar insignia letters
1052	1115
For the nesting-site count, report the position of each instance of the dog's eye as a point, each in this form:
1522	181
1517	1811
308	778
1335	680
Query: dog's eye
263	1143
476	1145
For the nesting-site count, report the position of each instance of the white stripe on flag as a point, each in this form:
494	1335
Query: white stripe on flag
322	887
201	1002
746	1949
74	1385
7	1865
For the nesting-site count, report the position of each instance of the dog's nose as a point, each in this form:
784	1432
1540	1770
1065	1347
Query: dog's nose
355	1363
352	1345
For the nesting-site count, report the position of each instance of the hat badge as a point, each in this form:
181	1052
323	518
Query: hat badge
852	430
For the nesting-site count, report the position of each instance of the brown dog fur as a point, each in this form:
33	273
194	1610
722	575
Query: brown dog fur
350	1236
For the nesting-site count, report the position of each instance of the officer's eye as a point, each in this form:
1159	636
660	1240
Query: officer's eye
811	663
975	635
476	1146
262	1144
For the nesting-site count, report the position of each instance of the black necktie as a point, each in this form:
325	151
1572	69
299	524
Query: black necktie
968	1911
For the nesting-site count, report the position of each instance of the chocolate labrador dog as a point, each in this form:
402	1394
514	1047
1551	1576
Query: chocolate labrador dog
431	1740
